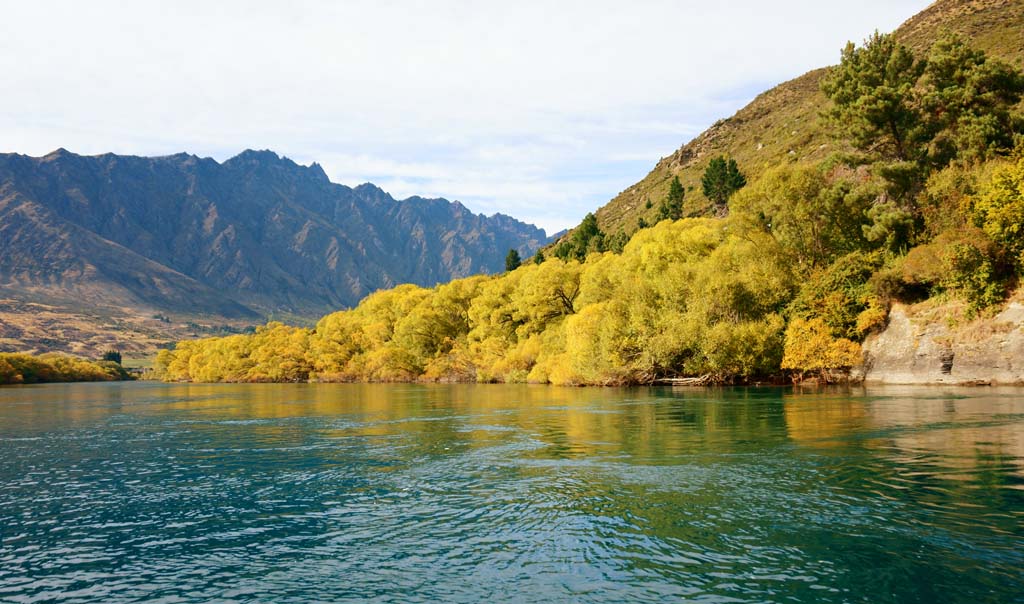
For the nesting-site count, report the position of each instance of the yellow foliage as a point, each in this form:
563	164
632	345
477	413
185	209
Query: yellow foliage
690	296
872	318
1000	209
810	347
18	368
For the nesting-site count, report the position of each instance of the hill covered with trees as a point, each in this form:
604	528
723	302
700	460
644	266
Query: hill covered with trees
788	267
784	125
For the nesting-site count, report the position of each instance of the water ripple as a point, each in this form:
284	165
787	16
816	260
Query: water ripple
470	494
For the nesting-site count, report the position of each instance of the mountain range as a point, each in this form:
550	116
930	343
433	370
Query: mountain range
189	240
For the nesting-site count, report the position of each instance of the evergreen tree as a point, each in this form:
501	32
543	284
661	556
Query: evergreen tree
968	101
672	207
538	258
113	356
512	260
721	179
957	104
617	242
585	239
873	95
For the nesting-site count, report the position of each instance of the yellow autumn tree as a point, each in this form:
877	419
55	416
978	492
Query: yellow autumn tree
811	348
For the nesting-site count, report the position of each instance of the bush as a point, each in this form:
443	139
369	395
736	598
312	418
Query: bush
811	348
16	368
999	210
963	263
839	294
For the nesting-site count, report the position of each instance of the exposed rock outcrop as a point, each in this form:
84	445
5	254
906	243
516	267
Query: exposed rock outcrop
926	344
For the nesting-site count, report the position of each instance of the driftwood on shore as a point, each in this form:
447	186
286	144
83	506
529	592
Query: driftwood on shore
700	380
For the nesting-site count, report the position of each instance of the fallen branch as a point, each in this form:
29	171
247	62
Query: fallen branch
702	380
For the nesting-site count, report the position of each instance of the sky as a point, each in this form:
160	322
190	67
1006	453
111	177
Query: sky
540	110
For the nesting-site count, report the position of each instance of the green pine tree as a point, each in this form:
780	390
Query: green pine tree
672	207
512	260
873	91
721	179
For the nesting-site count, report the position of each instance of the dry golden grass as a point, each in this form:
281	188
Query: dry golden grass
34	328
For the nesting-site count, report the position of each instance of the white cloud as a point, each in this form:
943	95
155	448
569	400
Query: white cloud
540	110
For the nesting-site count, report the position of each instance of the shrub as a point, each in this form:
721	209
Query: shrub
811	348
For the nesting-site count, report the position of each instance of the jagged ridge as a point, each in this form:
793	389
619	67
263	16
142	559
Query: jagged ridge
254	235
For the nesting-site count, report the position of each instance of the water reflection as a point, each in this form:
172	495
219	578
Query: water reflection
142	492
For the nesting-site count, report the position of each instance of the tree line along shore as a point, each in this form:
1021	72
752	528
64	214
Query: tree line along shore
18	368
779	278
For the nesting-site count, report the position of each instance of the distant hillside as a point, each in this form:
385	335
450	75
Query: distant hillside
783	123
254	236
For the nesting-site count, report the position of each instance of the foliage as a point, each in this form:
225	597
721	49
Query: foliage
672	206
970	272
617	242
956	104
872	91
113	356
815	216
690	296
17	368
945	201
964	263
721	179
999	210
585	239
967	102
837	295
890	225
804	267
811	348
512	260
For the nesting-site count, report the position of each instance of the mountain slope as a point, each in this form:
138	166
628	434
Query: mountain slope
783	122
252	236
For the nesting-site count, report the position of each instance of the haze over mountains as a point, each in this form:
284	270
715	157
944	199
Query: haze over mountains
257	235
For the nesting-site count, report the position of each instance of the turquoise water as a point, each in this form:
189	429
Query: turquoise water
407	493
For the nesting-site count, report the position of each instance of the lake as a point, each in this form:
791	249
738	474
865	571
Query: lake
145	492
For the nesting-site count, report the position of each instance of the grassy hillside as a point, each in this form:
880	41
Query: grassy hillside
783	124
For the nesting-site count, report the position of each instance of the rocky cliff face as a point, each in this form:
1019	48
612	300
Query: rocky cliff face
924	344
254	235
132	253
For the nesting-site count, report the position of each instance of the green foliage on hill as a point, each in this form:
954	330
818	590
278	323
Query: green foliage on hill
721	179
954	104
587	239
672	206
17	368
512	260
927	202
784	125
872	96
